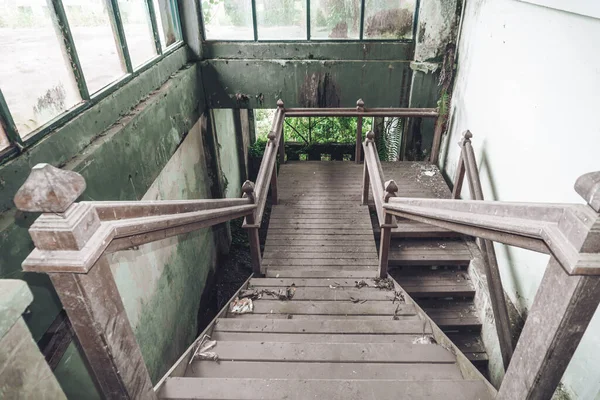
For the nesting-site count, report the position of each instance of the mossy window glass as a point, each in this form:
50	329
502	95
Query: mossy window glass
35	79
389	19
168	28
138	31
335	19
95	43
4	143
228	19
281	19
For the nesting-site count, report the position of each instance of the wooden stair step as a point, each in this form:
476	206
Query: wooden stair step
317	263
316	254
323	272
332	308
452	315
333	352
316	282
321	326
331	370
427	252
332	294
413	318
251	388
313	337
440	284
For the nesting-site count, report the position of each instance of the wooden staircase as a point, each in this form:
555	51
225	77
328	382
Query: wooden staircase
432	264
343	333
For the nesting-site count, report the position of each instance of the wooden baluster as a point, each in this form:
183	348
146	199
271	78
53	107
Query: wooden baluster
281	109
386	230
274	195
252	228
90	297
437	140
460	167
562	309
360	107
365	187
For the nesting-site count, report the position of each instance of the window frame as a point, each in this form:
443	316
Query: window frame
361	37
65	37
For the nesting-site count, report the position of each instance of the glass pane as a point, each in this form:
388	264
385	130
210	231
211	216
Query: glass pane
389	19
4	143
168	30
95	43
228	19
34	77
138	31
281	19
335	19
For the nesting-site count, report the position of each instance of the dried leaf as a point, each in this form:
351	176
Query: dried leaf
241	306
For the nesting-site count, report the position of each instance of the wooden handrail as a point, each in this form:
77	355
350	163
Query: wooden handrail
570	290
71	243
382	192
353	112
468	164
267	175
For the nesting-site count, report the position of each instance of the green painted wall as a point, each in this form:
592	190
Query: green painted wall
227	143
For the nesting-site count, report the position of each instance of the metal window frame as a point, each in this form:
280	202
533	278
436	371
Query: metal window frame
63	31
308	29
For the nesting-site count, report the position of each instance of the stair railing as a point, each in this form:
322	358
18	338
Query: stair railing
467	165
267	176
382	192
570	289
73	238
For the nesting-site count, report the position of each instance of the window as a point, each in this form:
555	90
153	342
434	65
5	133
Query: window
4	143
95	43
287	20
36	82
60	56
386	19
138	31
281	19
228	20
335	19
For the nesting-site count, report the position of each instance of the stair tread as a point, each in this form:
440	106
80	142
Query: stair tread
252	388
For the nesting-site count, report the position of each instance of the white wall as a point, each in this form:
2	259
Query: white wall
528	88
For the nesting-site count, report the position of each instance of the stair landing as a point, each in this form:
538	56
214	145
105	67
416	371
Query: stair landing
342	333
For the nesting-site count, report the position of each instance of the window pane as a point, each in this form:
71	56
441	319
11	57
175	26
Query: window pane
228	19
34	77
389	19
168	31
138	31
335	19
281	19
94	42
4	143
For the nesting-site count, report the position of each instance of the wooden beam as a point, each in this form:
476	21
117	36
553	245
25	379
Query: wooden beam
95	309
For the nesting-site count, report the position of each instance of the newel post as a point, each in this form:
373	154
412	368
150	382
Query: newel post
386	230
274	194
68	231
562	309
281	109
366	179
360	107
252	227
459	178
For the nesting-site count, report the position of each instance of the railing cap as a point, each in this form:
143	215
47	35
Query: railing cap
390	189
588	187
49	189
360	103
370	136
248	188
271	135
466	137
279	103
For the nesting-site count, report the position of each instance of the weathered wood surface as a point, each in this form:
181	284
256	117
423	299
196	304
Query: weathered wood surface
335	328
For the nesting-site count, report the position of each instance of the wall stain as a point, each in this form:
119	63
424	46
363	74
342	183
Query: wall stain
319	90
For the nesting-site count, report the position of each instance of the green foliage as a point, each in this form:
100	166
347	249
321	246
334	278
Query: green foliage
444	104
310	130
258	147
390	139
238	11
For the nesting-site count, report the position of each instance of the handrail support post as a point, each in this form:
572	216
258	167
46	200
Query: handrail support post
252	227
360	108
386	231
